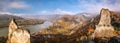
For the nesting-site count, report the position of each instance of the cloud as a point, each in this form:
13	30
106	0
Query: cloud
56	11
6	5
18	4
1	12
94	6
59	11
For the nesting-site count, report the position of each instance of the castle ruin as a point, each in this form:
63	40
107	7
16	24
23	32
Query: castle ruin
16	34
104	27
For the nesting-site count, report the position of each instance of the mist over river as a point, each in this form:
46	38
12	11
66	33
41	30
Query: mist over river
32	28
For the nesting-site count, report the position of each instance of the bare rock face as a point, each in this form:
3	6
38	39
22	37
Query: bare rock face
104	27
17	35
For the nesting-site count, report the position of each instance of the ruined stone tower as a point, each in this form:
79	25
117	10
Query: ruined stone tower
17	35
104	27
12	27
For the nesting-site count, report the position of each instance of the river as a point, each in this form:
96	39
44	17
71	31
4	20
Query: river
32	28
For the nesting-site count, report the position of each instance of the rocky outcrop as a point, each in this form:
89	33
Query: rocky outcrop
104	27
17	35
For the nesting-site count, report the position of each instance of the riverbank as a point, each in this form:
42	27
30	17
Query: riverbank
5	23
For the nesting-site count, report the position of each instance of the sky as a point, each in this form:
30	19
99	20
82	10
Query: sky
44	7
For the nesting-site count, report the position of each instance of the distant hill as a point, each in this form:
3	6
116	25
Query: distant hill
5	19
46	17
8	17
82	17
54	17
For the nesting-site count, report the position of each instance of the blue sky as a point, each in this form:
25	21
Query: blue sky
42	7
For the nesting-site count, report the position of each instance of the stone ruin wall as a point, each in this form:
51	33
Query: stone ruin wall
104	27
17	35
